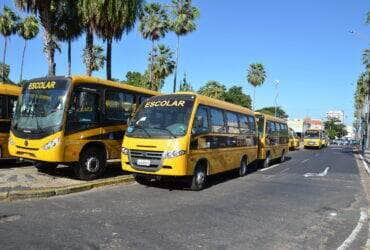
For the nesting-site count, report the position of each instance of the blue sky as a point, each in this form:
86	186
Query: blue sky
303	44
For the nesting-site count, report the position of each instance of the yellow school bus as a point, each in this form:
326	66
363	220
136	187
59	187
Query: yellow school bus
293	140
77	121
187	134
8	96
314	138
273	138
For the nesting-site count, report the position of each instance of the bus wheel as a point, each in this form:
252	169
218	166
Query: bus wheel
266	162
243	167
282	158
92	164
198	181
46	167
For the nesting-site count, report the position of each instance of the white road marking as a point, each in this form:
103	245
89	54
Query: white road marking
306	160
273	166
365	165
323	173
361	222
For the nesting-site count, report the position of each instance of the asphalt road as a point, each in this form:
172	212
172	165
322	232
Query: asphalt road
278	208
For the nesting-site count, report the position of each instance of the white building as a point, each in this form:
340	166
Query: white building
335	114
296	125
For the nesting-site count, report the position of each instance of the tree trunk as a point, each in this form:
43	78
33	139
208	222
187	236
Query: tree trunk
109	59
254	98
177	63
22	62
50	52
89	50
4	56
69	57
151	68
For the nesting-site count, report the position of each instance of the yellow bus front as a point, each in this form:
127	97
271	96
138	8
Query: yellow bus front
37	126
157	141
312	139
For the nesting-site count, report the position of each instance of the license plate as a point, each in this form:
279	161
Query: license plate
143	162
312	143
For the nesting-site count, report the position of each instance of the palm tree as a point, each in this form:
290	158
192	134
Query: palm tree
213	89
184	23
366	59
96	59
116	17
185	86
89	12
28	30
8	26
256	77
5	68
162	65
69	26
154	24
47	13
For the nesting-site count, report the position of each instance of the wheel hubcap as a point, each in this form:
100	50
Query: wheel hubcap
243	168
200	177
92	165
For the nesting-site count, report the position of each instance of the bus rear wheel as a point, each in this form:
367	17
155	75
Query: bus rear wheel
266	162
243	167
198	181
282	158
92	164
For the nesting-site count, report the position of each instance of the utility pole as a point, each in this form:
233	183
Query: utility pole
276	95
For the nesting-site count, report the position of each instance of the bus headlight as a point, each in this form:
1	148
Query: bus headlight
173	153
11	141
51	144
125	151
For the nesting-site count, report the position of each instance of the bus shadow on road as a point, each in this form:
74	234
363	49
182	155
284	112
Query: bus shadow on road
213	180
62	171
12	163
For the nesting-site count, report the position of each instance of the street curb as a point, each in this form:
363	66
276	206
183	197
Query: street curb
48	192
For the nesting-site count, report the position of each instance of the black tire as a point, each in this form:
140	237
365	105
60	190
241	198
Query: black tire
92	164
46	166
266	162
282	157
199	179
243	167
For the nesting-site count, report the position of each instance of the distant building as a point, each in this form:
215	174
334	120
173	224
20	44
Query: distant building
296	125
310	123
350	132
335	114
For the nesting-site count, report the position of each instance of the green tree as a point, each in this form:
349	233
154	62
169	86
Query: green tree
213	89
366	59
185	86
28	29
97	59
8	26
5	68
271	111
116	17
69	26
256	77
90	14
154	24
182	24
136	79
47	13
335	129
162	65
235	95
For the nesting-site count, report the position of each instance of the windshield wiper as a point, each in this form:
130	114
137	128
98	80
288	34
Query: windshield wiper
143	129
167	130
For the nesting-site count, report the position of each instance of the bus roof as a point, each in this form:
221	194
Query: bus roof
95	80
271	118
217	103
10	89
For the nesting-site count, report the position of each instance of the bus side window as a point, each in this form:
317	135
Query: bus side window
217	121
244	124
118	106
11	106
2	105
232	123
201	124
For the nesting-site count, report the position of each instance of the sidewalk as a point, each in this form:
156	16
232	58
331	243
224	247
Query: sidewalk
22	181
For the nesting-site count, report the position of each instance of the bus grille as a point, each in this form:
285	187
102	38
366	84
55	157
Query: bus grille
155	158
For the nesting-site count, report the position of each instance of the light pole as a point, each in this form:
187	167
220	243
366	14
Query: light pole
276	95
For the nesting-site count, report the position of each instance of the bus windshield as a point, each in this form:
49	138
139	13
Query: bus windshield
313	134
162	116
41	106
